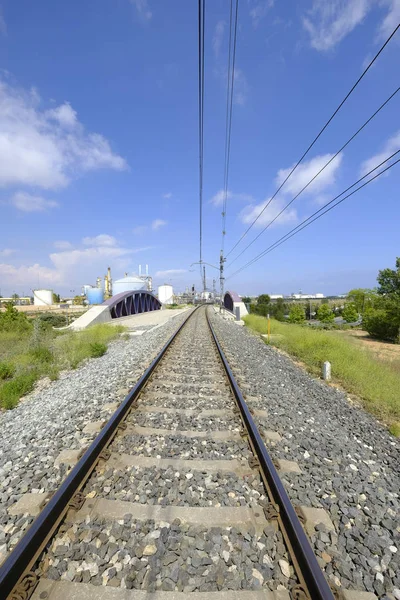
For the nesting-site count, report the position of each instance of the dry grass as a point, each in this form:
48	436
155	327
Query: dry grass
375	381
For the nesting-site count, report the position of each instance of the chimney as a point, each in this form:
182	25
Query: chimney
140	270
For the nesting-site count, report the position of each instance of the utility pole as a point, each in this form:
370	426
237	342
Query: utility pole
221	279
204	279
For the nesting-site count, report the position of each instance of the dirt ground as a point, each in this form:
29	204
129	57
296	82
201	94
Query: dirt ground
386	351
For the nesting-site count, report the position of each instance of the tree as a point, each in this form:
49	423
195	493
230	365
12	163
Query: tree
362	298
13	320
246	299
350	312
263	299
56	298
278	309
389	281
296	313
78	300
325	314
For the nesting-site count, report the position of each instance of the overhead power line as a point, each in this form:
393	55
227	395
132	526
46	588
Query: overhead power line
229	110
322	211
317	174
317	137
201	19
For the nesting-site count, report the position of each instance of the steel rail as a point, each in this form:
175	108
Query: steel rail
25	553
317	588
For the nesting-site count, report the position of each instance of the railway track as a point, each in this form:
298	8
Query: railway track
177	495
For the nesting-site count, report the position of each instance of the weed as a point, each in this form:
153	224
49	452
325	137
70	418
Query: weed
41	354
395	429
97	349
13	390
7	370
373	380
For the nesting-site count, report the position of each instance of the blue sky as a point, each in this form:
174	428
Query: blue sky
99	141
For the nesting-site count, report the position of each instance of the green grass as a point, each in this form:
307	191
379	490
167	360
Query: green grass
374	381
7	370
26	357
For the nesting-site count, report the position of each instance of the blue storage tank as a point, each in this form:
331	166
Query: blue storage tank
95	295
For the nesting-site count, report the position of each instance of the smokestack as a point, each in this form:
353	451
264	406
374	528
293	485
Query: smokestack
147	269
140	270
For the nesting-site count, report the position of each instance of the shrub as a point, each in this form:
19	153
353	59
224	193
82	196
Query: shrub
7	370
41	354
12	320
379	324
51	320
325	314
97	349
13	390
350	312
296	314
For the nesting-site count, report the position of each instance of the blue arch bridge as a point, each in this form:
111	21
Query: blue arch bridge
133	302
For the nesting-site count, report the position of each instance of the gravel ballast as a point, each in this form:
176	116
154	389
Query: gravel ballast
169	556
183	487
52	419
349	462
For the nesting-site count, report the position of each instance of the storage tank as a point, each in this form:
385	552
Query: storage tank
128	284
166	294
42	297
95	295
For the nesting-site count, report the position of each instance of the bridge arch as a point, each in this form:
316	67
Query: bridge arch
133	302
229	300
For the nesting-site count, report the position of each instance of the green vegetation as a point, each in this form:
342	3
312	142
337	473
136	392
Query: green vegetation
350	312
32	349
374	381
325	314
380	308
97	349
7	370
296	314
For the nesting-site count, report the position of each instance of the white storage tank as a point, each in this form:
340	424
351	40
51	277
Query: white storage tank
128	284
166	294
42	297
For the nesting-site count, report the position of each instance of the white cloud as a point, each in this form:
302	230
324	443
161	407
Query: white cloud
140	229
62	245
218	37
142	8
167	196
260	10
100	240
70	268
240	88
306	171
218	198
389	147
328	22
3	26
391	20
29	203
170	273
7	252
251	212
64	114
157	223
46	148
32	276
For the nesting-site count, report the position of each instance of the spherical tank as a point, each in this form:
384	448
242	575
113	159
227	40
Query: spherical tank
42	297
128	284
95	295
166	294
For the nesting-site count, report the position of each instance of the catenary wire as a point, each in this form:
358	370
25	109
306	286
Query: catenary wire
317	174
321	211
317	137
201	9
229	111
